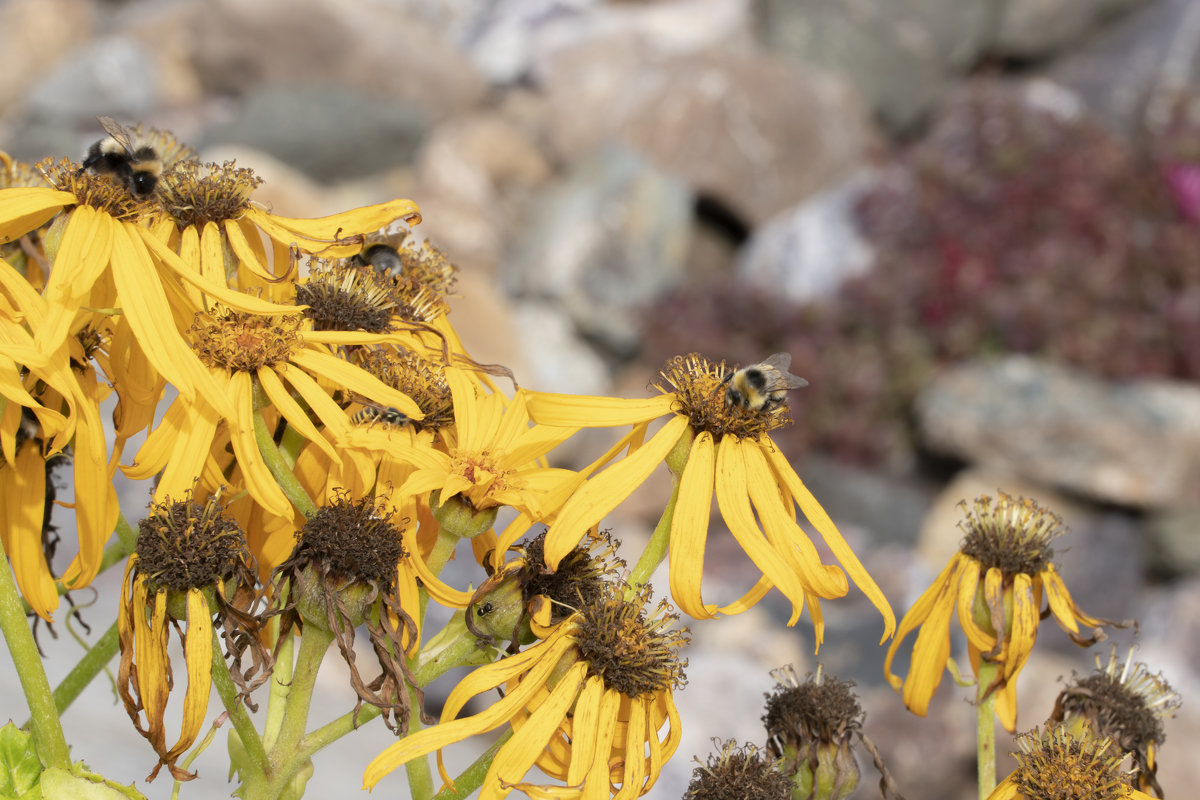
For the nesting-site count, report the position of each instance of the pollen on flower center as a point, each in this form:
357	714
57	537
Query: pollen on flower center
1012	534
239	341
481	469
634	654
1054	765
195	194
699	386
182	545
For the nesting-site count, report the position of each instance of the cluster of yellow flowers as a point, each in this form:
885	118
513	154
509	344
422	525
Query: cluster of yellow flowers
320	441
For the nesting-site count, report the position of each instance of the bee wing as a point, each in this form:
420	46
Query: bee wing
786	380
117	132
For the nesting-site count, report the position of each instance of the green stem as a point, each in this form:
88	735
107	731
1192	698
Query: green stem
284	755
443	549
418	771
277	463
472	777
46	725
92	663
228	692
454	646
281	683
656	549
985	708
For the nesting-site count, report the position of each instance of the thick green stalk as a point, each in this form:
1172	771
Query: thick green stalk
280	470
280	683
46	725
418	771
228	692
284	761
472	777
985	709
92	663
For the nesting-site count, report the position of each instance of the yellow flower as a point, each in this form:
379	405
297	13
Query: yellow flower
493	455
723	450
1058	764
586	704
188	558
995	584
245	355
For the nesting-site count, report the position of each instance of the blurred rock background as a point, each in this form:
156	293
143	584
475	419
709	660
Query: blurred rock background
975	225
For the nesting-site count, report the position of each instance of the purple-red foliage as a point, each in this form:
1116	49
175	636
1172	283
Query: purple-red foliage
1009	228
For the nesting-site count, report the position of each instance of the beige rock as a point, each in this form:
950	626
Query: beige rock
37	33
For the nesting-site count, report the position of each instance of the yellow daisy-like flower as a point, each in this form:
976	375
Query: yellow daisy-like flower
724	450
190	563
210	220
246	354
1056	763
995	584
493	456
587	705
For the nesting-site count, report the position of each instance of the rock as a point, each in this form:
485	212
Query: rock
1118	70
509	40
602	243
113	76
715	119
38	36
1135	444
807	252
900	56
379	49
1173	537
330	133
559	360
476	175
1031	29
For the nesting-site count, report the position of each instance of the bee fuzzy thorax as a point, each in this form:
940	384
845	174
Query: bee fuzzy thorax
130	156
760	386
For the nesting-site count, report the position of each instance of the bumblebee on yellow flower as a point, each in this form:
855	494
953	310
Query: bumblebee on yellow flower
712	447
995	585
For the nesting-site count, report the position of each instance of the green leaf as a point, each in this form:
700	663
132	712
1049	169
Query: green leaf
82	784
20	768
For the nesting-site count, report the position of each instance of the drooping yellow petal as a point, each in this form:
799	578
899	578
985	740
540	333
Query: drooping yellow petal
519	754
636	769
829	532
584	724
689	528
967	588
921	610
539	661
608	489
259	481
22	504
198	653
1007	790
96	506
1061	604
930	651
735	510
1025	620
150	645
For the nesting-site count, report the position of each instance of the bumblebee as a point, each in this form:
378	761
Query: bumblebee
759	387
128	158
383	258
